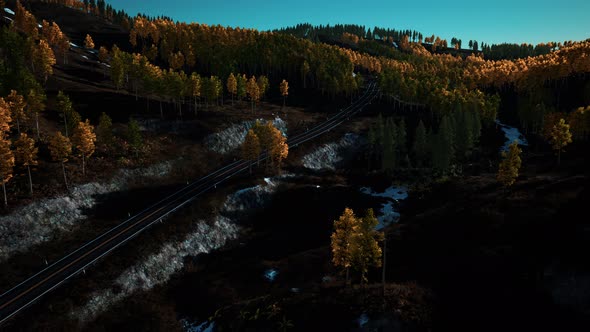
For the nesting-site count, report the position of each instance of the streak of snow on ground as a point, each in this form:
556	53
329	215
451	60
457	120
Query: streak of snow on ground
9	11
512	134
387	214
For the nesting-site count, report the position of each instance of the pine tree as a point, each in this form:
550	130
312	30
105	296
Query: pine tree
420	145
342	240
284	86
26	155
241	86
6	165
560	137
84	140
464	134
88	42
263	85
365	249
401	140
390	136
17	104
104	131
134	136
64	104
510	165
442	151
60	148
251	148
36	104
232	86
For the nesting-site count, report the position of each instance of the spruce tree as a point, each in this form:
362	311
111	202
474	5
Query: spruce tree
442	149
420	145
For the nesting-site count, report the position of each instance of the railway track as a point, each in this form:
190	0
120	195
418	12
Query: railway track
27	292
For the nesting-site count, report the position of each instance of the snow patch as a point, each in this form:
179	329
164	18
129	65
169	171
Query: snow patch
8	18
106	65
39	26
157	268
512	134
43	220
271	274
74	45
9	11
329	155
85	57
206	326
387	214
232	137
363	319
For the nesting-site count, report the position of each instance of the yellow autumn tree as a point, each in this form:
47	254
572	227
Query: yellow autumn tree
510	165
5	118
6	165
232	86
342	240
284	86
560	137
17	104
84	140
253	91
43	60
26	155
251	148
60	148
365	249
279	150
36	105
88	42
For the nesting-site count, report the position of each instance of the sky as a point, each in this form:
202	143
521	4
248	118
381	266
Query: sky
491	21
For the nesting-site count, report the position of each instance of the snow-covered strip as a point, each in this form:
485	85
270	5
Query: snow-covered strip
512	134
329	155
387	214
9	11
39	26
43	220
74	45
159	267
232	137
8	18
85	57
206	326
106	65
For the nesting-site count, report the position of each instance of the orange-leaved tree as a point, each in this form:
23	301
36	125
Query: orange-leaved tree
26	155
60	148
84	140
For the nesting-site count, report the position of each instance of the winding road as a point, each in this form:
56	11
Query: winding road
38	285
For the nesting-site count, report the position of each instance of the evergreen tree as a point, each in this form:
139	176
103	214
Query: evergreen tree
241	86
463	134
442	147
390	134
60	148
134	136
510	165
401	140
26	155
104	131
420	145
6	165
36	104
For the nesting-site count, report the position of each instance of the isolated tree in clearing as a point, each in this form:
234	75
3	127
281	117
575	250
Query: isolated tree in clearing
6	165
365	250
26	155
88	42
84	139
251	148
60	148
510	165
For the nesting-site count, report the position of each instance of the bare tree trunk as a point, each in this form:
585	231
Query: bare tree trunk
17	126
30	180
63	166
37	124
384	262
66	123
83	165
347	276
5	198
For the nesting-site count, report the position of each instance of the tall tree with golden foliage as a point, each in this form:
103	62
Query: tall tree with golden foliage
510	165
284	86
60	148
88	42
279	150
43	60
6	165
253	91
17	104
365	250
263	85
251	148
5	118
26	155
560	137
84	140
342	241
232	86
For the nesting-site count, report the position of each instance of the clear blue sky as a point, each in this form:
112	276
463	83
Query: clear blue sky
490	21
